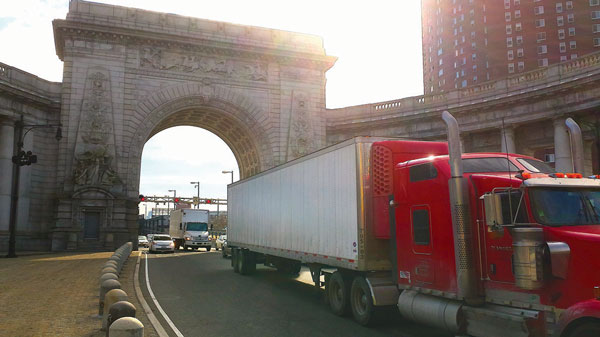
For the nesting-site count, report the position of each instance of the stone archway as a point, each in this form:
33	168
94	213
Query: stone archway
222	111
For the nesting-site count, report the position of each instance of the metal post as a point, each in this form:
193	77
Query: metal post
14	193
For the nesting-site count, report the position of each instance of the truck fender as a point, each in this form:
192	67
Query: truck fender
589	309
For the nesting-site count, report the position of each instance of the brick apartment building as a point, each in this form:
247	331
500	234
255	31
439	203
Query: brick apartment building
466	42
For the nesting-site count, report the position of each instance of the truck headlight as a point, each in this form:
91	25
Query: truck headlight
172	244
187	238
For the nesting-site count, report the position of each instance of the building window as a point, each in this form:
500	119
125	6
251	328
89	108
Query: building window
473	45
464	60
511	68
596	28
441	62
594	2
518	26
441	72
560	20
538	10
474	67
507	16
464	83
519	40
517	2
571	18
573	56
563	58
573	44
506	4
563	47
541	36
595	15
520	52
572	31
508	29
509	42
462	39
543	49
561	34
517	13
542	62
473	57
569	4
521	66
597	42
475	78
540	23
440	51
559	7
511	55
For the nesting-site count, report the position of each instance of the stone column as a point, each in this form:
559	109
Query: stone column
7	135
562	147
507	139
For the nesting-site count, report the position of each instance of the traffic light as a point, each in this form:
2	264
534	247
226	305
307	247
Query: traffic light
208	201
142	198
176	200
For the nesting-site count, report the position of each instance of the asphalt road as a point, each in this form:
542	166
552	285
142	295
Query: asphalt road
204	297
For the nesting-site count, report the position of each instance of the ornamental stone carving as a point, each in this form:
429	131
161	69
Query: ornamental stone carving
300	132
95	148
159	59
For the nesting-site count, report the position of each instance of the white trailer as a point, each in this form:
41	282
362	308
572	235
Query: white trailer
189	228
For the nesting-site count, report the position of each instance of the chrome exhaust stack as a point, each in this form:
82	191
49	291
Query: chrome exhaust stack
576	144
466	276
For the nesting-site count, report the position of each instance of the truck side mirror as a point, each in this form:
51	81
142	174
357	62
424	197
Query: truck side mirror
493	211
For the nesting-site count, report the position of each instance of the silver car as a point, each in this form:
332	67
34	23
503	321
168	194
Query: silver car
142	241
219	241
162	243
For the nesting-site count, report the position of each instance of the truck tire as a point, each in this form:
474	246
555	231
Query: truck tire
338	293
223	253
208	249
235	255
591	329
247	263
361	301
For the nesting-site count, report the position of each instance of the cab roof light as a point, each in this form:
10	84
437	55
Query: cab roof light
597	176
574	175
597	292
557	175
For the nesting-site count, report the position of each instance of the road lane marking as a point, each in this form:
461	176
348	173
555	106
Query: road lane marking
160	309
138	291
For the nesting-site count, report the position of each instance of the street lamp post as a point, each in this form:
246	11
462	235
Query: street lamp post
21	158
225	172
197	185
174	196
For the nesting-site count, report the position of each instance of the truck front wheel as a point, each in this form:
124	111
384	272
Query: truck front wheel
591	329
361	301
338	292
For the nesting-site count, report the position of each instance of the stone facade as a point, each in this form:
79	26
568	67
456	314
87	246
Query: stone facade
129	74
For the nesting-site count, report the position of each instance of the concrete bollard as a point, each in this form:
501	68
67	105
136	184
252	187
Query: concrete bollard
106	286
111	297
126	327
108	276
109	270
118	310
110	263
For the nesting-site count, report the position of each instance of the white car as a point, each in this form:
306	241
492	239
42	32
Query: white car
142	241
162	243
219	241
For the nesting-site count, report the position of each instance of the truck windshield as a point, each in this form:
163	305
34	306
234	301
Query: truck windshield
565	206
197	226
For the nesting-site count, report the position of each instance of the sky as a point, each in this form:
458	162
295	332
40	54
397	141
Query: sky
377	42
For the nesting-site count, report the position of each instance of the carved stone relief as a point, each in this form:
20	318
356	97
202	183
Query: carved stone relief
300	129
160	59
95	147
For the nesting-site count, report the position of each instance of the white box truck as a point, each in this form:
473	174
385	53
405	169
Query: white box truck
189	229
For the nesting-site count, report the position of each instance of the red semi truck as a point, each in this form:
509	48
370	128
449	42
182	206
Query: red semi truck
479	244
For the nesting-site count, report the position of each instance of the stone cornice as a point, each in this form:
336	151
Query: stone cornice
25	88
68	29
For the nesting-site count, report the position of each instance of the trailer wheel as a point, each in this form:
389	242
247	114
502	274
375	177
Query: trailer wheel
208	249
235	255
591	329
361	301
247	262
338	292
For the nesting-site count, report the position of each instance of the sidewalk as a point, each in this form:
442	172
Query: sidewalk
57	294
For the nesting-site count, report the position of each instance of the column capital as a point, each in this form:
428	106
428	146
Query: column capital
559	121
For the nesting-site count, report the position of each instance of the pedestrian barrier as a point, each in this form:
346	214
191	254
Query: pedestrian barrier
126	327
111	298
118	315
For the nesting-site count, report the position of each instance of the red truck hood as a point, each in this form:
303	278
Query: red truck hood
587	234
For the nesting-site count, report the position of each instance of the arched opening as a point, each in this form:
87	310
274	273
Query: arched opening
185	162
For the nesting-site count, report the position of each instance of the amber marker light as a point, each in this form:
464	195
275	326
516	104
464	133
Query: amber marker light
526	175
597	292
